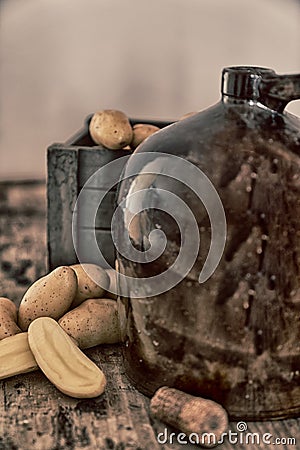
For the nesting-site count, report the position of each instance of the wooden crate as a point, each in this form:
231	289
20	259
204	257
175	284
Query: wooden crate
69	166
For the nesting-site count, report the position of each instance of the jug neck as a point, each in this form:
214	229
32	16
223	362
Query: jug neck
245	84
241	84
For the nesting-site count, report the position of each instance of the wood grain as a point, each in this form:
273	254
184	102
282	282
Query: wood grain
62	189
34	415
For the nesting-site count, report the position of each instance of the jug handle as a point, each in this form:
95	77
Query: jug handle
276	91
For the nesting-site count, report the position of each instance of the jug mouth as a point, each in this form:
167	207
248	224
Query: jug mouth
243	81
249	70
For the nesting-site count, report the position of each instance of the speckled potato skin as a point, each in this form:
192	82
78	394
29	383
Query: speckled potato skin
88	287
140	132
92	323
50	296
8	318
111	128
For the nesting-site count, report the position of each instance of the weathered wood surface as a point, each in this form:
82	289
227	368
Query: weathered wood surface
33	414
61	198
22	237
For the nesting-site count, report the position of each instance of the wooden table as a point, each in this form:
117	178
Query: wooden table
34	414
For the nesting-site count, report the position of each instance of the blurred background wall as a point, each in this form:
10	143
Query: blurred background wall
63	59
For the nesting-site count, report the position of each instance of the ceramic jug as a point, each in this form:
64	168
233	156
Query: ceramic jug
224	184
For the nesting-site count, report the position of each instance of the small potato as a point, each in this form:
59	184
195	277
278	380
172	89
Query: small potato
16	356
92	281
49	296
111	128
92	323
8	318
140	132
63	363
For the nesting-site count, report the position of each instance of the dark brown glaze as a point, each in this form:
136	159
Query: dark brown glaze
235	338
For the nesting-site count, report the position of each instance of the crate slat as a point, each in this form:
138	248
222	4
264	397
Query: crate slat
92	159
89	202
89	252
62	189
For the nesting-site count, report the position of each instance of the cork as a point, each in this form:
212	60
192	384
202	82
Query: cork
190	414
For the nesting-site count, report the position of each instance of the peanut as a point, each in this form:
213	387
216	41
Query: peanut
63	363
8	318
16	356
50	296
92	323
190	414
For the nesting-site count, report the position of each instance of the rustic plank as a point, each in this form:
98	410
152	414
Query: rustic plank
22	237
62	189
94	158
88	251
89	202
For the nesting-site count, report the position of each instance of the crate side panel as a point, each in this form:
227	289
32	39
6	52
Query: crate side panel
89	243
95	208
90	160
62	189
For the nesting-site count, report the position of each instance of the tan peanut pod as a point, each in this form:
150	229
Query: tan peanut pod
190	414
16	356
140	132
63	363
8	318
93	281
111	128
92	323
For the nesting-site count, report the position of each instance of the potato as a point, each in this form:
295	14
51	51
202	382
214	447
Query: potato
63	363
8	318
92	323
50	296
140	132
92	282
16	356
111	128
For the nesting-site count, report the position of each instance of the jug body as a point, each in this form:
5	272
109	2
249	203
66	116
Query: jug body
234	338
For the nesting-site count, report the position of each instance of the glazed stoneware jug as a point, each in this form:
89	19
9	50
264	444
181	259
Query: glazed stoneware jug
224	186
